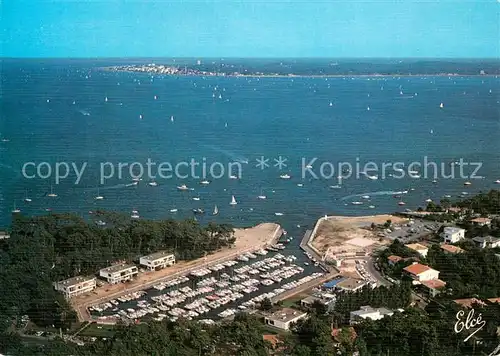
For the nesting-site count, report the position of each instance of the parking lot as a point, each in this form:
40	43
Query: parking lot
413	230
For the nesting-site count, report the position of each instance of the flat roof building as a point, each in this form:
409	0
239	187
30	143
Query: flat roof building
367	312
351	284
119	273
157	260
75	286
284	317
453	234
486	241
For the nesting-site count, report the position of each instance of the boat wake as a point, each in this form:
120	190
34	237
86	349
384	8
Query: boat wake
84	112
235	157
382	192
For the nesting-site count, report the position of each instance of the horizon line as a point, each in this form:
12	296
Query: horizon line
494	58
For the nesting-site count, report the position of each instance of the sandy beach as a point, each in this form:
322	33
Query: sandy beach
350	234
246	240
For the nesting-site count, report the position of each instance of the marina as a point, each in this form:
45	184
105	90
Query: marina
214	292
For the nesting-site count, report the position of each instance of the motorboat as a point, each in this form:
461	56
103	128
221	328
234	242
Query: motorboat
285	176
182	187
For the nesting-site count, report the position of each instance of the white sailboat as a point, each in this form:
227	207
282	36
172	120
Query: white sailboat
140	117
135	214
441	105
99	196
51	194
233	200
331	104
26	199
216	210
16	210
172	118
106	99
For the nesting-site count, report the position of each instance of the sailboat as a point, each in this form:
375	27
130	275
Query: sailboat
233	201
172	118
441	105
51	194
261	196
140	117
135	214
216	210
16	210
106	99
99	196
26	199
331	104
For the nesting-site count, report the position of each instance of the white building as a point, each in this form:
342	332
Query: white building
367	312
452	235
75	286
284	317
419	272
421	249
487	241
157	260
119	273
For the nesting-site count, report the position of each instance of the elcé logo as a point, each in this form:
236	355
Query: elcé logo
470	322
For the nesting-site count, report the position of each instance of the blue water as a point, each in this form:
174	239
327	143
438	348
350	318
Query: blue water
266	117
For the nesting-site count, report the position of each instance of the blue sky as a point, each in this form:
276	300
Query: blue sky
231	28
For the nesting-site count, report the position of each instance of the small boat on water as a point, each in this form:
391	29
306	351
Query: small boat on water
467	183
133	184
497	181
357	203
98	196
196	198
372	206
135	214
233	201
172	118
401	203
182	187
205	182
441	105
173	210
216	210
447	196
198	211
278	214
300	185
153	184
26	199
336	186
365	197
285	176
51	194
261	196
233	177
428	200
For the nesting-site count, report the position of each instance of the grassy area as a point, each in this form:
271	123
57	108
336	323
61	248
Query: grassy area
98	330
293	301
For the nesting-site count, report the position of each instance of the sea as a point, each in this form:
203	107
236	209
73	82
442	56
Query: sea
332	114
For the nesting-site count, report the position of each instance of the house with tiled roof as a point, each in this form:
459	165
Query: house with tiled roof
393	259
420	272
469	302
481	221
421	249
451	248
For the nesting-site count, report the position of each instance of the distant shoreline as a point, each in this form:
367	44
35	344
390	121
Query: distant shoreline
195	73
